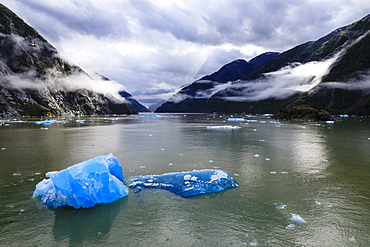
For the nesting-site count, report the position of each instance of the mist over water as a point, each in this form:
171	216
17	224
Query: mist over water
316	170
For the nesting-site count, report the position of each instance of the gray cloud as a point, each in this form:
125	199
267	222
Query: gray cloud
142	43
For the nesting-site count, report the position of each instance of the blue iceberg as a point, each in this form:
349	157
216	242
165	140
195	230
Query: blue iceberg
85	185
187	184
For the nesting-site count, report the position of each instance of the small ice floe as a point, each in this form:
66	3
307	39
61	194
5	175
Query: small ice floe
256	155
3	148
80	120
318	203
352	239
329	206
280	206
261	140
232	119
267	159
324	160
344	115
236	174
142	167
297	218
329	122
162	149
170	164
273	172
45	122
16	174
224	127
284	172
290	226
253	243
254	129
155	116
210	161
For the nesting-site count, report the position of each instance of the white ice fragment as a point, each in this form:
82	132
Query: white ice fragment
3	148
37	173
253	243
318	203
236	174
256	155
162	149
16	174
210	161
324	160
352	239
297	218
226	127
170	164
254	129
290	226
262	140
187	177
142	167
284	172
280	206
329	122
267	159
329	206
273	172
193	178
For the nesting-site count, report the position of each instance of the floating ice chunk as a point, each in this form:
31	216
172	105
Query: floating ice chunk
290	226
256	155
284	172
329	122
233	119
3	149
273	172
80	120
224	127
85	185
187	184
318	203
155	115
344	115
352	239
297	218
280	206
45	122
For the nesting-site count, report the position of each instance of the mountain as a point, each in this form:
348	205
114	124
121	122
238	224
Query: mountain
193	97
35	81
341	87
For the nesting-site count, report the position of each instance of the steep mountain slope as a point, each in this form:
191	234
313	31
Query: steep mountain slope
35	81
193	97
341	86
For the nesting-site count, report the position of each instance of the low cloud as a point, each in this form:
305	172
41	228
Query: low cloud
292	79
73	82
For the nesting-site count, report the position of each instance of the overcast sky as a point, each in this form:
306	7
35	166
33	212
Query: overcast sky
165	44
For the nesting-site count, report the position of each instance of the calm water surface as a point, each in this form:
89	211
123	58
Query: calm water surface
320	172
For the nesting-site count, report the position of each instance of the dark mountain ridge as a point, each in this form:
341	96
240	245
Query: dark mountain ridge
340	91
193	97
35	81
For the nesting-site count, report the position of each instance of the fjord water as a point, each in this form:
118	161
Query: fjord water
317	170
